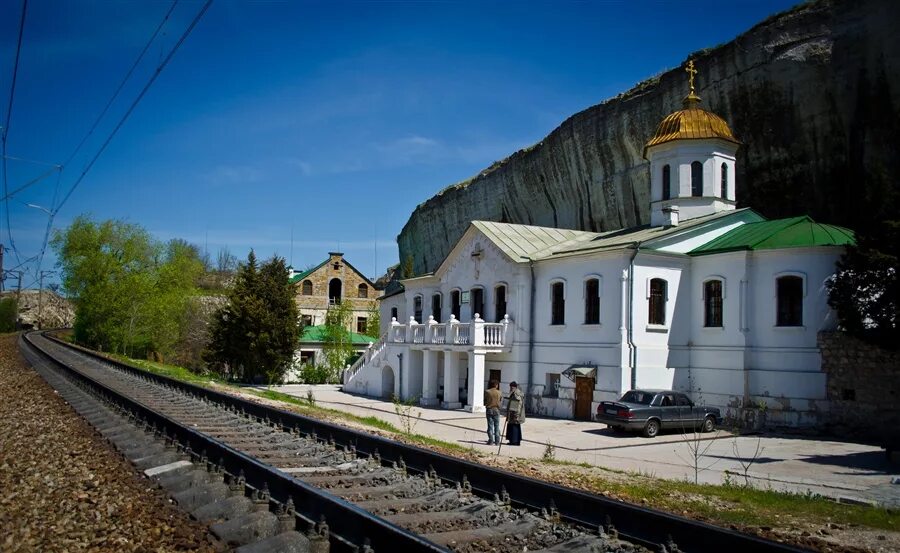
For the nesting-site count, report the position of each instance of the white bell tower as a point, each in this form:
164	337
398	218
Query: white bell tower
692	163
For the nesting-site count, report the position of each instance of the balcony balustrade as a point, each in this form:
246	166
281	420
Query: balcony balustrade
477	333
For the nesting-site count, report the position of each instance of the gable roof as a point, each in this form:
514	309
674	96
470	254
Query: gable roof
317	334
300	276
793	232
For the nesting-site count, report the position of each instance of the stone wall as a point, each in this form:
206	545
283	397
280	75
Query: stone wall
863	384
316	305
813	93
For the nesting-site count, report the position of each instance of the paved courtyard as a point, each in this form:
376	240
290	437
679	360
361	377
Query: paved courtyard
793	463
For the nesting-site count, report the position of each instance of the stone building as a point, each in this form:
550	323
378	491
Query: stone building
331	282
709	299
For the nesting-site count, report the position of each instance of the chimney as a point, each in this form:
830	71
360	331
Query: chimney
670	216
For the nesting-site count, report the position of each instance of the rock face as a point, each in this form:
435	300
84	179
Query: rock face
53	310
813	93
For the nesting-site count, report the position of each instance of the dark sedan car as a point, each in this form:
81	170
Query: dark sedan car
653	410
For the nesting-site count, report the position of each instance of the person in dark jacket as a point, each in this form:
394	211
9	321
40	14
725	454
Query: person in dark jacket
492	410
515	414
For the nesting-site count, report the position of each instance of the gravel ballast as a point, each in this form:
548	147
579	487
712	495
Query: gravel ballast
62	488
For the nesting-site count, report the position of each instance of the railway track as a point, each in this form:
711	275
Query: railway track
272	480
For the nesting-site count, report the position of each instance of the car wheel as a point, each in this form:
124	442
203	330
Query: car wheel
709	424
652	428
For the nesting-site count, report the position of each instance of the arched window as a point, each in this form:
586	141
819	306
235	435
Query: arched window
696	179
476	299
499	302
558	303
657	308
789	295
307	288
436	304
362	291
666	182
712	303
592	301
455	303
417	309
334	291
393	313
724	184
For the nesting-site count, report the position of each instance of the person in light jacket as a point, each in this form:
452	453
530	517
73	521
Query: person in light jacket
515	414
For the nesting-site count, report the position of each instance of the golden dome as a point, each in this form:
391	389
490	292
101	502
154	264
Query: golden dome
691	123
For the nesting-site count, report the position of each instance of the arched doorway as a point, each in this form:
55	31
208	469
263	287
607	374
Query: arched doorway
334	291
387	382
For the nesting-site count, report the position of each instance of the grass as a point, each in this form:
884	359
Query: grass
719	504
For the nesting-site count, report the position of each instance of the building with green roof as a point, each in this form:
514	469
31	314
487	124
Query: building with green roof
709	299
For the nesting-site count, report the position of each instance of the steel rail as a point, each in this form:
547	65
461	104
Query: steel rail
351	528
641	525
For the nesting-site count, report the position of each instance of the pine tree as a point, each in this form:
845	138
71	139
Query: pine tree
255	335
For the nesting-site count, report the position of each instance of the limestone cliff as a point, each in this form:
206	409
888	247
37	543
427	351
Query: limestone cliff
813	93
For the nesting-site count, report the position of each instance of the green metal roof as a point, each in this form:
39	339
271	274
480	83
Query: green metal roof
300	276
317	334
793	232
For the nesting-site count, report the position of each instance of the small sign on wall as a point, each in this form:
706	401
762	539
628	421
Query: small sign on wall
464	297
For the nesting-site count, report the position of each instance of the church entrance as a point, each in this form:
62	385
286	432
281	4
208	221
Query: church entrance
584	395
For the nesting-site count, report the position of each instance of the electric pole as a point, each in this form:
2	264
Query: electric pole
2	274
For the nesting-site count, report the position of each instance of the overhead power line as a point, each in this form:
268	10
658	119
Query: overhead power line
9	108
122	84
134	104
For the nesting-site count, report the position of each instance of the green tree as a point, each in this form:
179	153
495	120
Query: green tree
337	345
129	290
255	334
865	291
373	323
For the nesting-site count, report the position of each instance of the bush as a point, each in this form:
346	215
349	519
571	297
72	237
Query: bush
317	374
8	309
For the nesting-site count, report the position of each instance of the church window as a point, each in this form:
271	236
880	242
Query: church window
712	303
337	266
658	293
476	297
666	182
789	292
393	313
499	302
417	309
724	184
307	288
436	301
558	303
362	291
592	301
696	179
455	303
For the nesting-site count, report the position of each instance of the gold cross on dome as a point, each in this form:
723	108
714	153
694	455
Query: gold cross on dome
691	73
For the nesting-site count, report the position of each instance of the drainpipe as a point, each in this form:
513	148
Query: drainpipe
632	349
531	309
400	374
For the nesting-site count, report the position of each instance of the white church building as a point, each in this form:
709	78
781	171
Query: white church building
708	299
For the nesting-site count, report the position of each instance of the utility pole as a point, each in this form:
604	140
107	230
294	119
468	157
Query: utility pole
2	274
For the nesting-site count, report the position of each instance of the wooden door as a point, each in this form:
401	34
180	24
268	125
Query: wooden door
584	395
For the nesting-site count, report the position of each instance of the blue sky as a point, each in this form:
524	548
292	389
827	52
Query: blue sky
334	119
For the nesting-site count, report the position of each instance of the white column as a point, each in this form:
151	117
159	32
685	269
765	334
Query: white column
451	381
429	378
476	382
